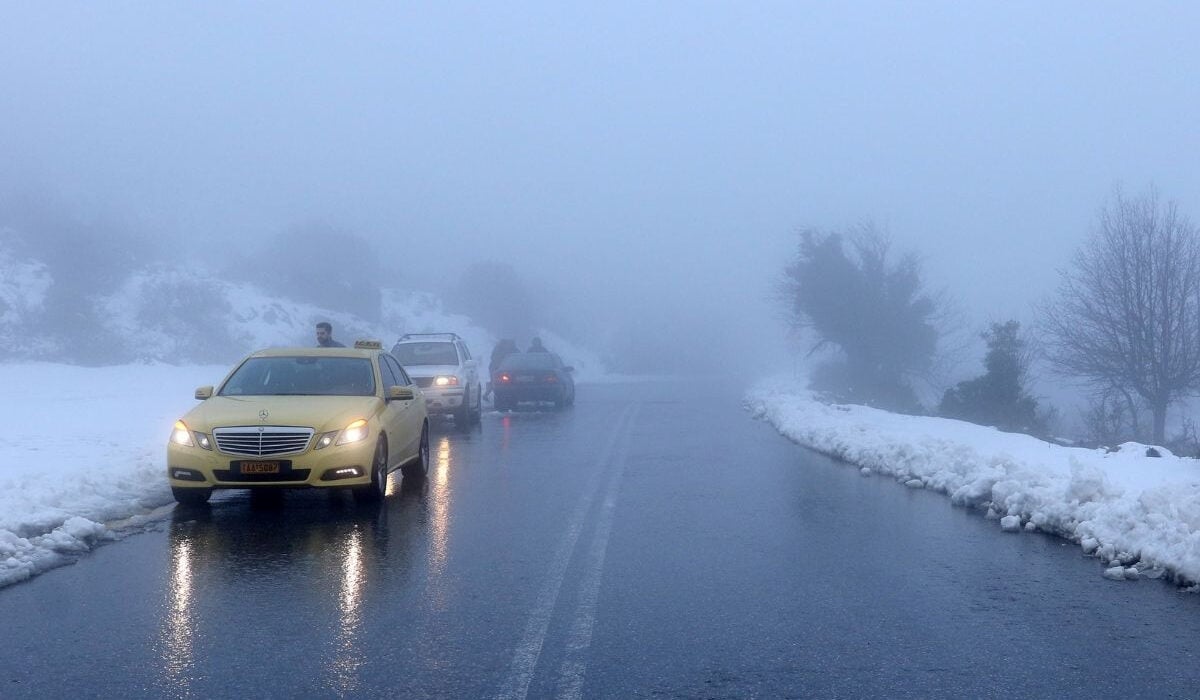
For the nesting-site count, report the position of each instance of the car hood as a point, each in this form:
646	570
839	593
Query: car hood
318	412
431	370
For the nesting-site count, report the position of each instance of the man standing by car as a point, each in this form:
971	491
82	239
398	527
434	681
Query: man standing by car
503	349
325	336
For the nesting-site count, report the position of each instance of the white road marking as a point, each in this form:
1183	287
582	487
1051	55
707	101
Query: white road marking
579	639
525	657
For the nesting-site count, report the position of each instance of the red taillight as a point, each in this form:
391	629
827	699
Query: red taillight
551	378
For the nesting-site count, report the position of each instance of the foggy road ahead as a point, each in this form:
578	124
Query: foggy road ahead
653	541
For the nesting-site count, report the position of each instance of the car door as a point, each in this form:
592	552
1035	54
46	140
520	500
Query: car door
471	366
405	416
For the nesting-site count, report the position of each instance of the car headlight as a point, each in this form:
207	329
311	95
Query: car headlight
355	432
180	435
326	439
445	380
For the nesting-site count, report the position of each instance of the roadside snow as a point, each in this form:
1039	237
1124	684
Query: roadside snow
1138	513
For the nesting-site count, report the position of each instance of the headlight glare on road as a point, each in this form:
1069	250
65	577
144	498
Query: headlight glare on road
180	435
355	432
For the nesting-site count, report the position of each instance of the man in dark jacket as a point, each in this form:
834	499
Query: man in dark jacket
325	336
503	349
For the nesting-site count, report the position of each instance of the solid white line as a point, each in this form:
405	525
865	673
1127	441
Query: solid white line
525	658
579	639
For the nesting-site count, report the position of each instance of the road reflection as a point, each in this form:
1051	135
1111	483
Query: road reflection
348	659
256	559
438	500
179	623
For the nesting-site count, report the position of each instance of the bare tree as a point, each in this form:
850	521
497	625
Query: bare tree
1127	313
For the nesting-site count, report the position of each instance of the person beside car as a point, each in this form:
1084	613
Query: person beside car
325	336
503	349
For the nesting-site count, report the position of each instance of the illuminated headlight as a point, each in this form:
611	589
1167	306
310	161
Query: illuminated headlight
326	439
355	432
445	381
180	435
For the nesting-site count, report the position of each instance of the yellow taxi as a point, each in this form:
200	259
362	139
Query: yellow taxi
302	417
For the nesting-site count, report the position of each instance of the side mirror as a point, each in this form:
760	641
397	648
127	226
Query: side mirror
471	363
204	392
401	393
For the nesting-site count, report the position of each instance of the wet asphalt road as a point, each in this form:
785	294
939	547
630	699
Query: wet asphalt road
653	541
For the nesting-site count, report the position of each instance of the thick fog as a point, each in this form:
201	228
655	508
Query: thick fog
645	168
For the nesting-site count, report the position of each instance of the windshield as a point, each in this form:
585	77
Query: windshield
432	353
302	376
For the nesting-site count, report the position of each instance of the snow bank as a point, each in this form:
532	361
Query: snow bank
1134	511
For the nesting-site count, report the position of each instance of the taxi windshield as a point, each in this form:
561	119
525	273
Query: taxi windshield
302	376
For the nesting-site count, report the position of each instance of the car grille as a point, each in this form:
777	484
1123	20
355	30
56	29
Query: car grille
260	441
423	382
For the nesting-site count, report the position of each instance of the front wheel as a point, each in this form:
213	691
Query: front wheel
462	414
375	491
418	468
191	497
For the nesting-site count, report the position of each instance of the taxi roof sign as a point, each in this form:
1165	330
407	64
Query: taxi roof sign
368	344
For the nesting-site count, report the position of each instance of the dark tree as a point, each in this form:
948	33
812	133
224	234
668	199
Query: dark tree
1127	313
320	265
873	309
85	259
999	397
494	295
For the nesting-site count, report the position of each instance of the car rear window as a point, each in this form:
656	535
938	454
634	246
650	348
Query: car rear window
530	360
430	353
302	376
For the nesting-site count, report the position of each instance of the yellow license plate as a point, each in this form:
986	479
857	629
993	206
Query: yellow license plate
260	467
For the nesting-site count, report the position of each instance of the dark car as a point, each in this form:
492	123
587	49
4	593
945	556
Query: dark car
533	377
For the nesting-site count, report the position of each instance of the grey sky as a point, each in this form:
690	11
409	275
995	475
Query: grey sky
655	156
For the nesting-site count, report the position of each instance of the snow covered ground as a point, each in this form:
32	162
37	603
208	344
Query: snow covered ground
1140	515
83	456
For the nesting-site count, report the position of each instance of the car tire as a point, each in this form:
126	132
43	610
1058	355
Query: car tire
419	467
477	416
191	497
374	491
462	414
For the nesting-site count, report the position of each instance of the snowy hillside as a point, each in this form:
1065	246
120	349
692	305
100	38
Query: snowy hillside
179	316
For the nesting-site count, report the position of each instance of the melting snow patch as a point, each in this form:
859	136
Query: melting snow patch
1010	523
1120	573
865	471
